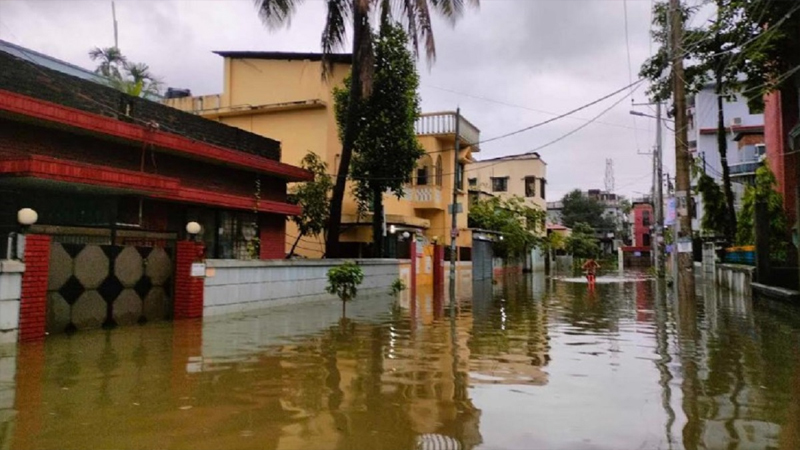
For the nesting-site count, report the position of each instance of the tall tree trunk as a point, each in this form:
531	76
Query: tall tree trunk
722	139
377	224
360	26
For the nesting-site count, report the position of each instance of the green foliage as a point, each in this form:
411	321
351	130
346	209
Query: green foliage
764	190
386	149
579	208
582	243
398	286
519	224
313	196
131	78
714	208
343	280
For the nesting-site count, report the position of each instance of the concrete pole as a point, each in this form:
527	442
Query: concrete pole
454	212
682	159
762	242
659	197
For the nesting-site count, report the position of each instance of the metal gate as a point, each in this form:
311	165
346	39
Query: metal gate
92	285
482	256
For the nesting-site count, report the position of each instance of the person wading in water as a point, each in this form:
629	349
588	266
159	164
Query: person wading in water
591	266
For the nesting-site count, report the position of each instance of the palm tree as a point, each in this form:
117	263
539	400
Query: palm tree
110	61
416	17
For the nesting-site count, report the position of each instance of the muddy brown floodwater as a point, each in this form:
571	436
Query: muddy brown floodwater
530	363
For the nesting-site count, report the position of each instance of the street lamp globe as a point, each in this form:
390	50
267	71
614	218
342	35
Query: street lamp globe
193	228
27	217
406	235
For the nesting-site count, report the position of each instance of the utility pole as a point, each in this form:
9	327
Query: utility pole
454	212
683	239
659	197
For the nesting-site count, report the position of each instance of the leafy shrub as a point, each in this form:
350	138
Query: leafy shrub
343	280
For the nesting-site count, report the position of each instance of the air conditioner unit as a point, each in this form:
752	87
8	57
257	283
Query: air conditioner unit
736	121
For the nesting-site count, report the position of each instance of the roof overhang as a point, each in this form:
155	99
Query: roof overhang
52	113
41	171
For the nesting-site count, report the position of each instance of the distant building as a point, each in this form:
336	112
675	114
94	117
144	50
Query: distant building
615	211
523	176
642	221
744	131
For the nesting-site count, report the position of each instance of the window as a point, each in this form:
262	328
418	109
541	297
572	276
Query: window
473	182
542	182
530	186
646	240
439	171
646	218
499	184
460	176
422	176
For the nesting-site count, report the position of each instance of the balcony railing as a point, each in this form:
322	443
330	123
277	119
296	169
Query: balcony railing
744	169
445	123
426	197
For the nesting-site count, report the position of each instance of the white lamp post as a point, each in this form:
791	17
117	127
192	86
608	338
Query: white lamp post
16	241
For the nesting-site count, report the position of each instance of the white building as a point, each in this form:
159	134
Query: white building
745	135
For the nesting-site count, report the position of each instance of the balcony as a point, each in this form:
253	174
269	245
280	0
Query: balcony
744	169
444	123
426	197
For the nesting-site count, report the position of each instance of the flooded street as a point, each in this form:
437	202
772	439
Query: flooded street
531	363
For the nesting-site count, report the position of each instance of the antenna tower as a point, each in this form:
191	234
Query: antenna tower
609	175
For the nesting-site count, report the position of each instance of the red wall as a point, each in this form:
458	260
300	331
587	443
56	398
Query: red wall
780	115
272	236
33	304
639	228
20	140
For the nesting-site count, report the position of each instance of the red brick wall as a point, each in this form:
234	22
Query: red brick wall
272	236
188	289
780	115
438	268
33	304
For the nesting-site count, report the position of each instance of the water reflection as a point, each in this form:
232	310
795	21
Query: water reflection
526	363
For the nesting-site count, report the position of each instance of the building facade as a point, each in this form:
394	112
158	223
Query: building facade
642	221
615	210
298	110
744	132
114	180
523	176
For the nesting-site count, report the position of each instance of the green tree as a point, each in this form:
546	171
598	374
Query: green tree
519	224
417	19
131	78
313	197
343	281
386	148
579	208
764	190
714	220
581	243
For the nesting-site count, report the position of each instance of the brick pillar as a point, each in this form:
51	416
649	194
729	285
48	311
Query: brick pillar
272	236
438	268
188	289
33	301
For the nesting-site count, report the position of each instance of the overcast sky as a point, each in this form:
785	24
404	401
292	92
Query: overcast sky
508	65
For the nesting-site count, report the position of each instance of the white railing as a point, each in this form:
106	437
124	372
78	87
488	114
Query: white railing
426	194
445	123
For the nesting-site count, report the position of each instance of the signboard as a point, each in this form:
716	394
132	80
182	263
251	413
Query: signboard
681	205
198	270
671	214
459	208
685	245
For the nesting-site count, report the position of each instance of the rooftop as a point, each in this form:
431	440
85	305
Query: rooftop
522	157
345	58
23	77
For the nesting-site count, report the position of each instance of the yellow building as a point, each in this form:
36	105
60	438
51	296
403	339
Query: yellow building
284	96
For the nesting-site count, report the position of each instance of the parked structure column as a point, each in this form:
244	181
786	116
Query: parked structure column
188	289
33	299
